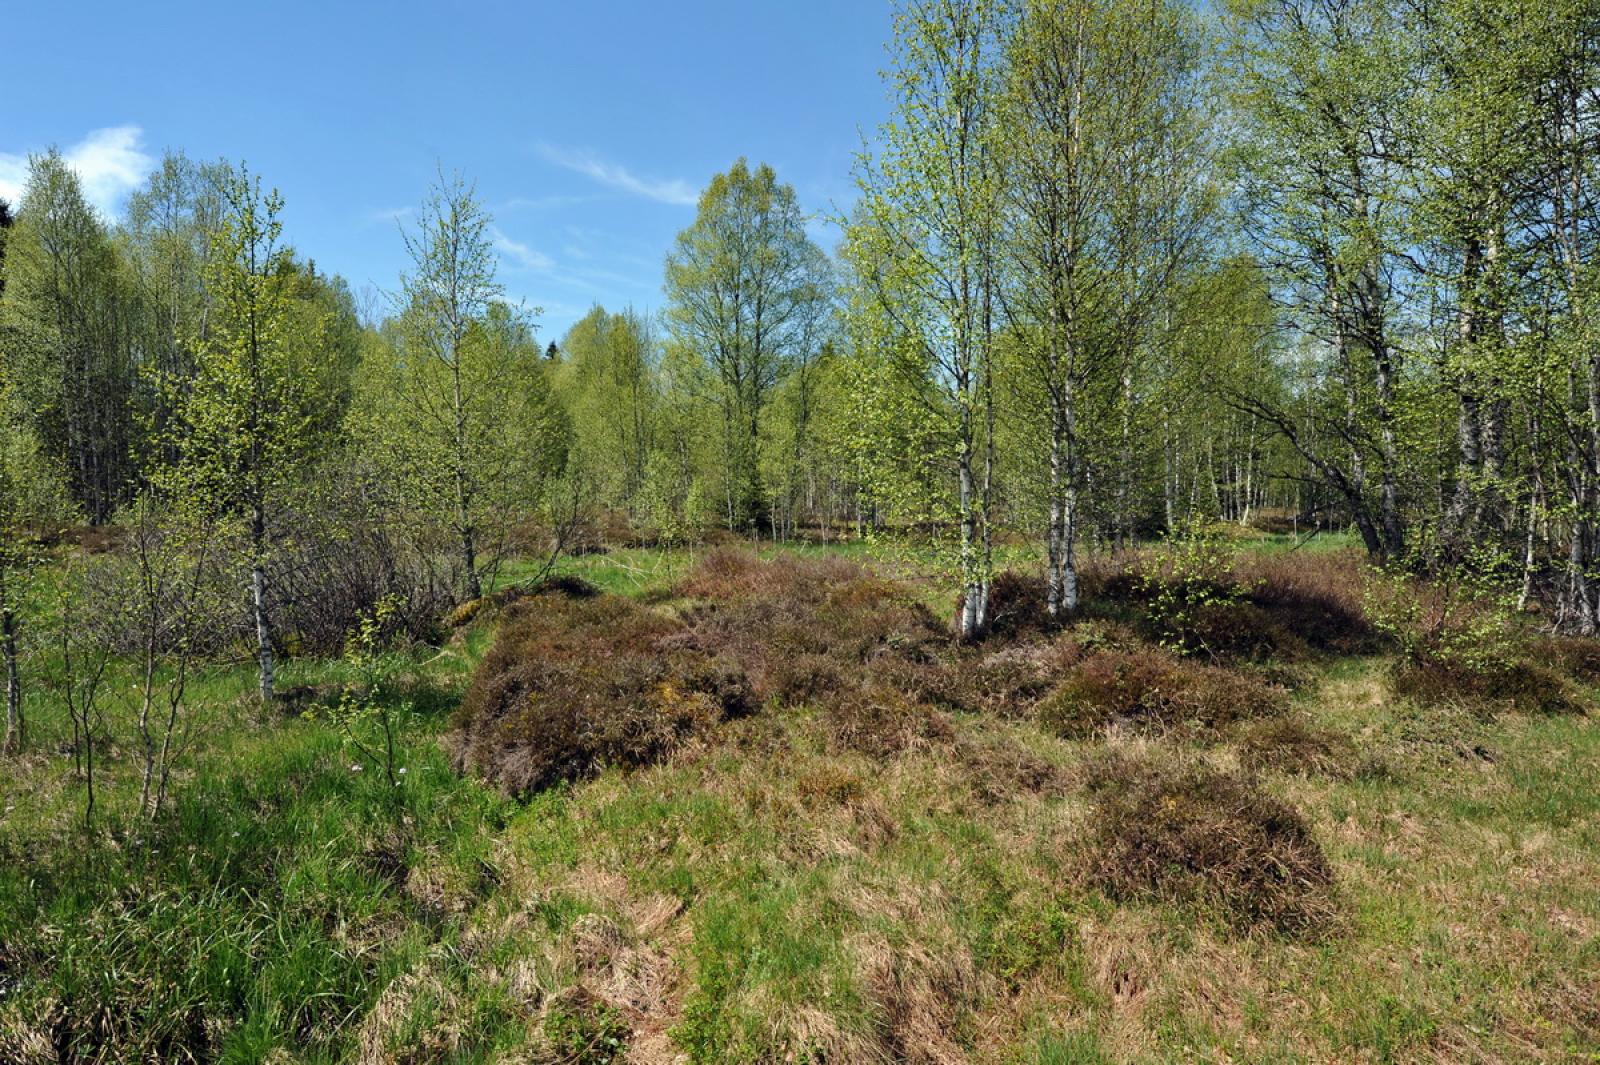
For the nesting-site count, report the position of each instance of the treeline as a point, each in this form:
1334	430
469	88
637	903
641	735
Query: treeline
1116	267
1119	266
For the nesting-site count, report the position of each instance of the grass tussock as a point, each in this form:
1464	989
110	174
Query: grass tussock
573	685
1150	690
1291	744
1517	684
880	721
1179	831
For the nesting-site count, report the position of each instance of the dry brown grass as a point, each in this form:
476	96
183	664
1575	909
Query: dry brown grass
1180	831
1151	690
881	722
1291	744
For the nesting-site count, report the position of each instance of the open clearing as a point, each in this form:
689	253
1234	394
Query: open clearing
846	840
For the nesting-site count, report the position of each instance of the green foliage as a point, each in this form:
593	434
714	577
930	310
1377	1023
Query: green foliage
1190	575
243	422
453	397
749	297
372	708
1462	619
67	330
585	1034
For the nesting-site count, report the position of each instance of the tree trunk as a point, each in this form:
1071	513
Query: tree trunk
975	591
1061	593
259	602
16	727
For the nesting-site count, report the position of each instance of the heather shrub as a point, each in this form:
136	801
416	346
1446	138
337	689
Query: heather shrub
1576	656
1152	690
1187	833
1018	605
999	768
1315	598
1005	681
881	721
805	629
1196	596
573	685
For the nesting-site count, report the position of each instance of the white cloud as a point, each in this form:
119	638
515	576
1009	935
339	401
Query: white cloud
674	191
540	203
109	162
519	253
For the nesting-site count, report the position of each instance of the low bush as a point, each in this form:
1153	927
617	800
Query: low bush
1000	768
1018	605
1209	601
1461	641
1183	832
806	629
1314	597
1518	685
1292	744
1576	656
1152	690
572	685
881	722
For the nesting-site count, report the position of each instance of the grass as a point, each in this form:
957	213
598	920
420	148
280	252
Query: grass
769	893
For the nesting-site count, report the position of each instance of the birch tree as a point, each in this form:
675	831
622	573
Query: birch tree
1106	196
748	294
243	425
924	244
457	400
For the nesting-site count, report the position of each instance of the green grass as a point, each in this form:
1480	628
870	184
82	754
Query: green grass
760	898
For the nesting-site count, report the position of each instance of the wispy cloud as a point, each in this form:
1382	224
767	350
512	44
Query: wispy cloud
541	203
518	252
109	162
674	191
392	214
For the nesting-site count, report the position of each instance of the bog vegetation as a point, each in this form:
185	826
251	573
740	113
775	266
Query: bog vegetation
1134	599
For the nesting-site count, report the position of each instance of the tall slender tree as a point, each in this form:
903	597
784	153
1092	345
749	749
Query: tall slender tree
243	425
925	244
457	399
748	293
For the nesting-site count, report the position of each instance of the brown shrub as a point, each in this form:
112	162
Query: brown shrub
1268	604
732	573
1151	689
880	722
1576	656
572	685
1190	834
1018	605
1000	768
571	586
1009	679
805	629
1276	523
1293	745
1316	596
1519	685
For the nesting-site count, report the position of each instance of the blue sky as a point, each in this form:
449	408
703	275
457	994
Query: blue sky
589	127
